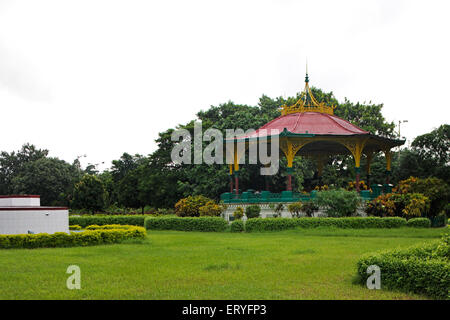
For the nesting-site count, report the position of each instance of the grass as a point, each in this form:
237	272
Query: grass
295	264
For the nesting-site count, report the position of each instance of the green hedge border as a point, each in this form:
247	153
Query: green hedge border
87	220
279	224
206	224
417	269
62	239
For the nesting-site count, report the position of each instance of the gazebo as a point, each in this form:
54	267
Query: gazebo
310	129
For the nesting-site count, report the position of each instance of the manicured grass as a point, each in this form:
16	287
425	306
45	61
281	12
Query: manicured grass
295	264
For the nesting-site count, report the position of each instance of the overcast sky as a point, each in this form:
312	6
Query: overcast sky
104	77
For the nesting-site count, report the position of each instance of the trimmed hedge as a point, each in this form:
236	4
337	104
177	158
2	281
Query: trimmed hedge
419	223
278	224
237	226
207	224
62	239
421	269
87	220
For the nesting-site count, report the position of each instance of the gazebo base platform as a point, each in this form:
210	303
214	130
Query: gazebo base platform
267	197
268	212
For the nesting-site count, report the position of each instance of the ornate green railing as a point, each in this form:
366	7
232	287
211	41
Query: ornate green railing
250	196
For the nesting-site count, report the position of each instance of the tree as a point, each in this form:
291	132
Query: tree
89	194
11	164
51	178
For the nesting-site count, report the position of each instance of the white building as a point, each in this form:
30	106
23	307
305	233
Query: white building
22	214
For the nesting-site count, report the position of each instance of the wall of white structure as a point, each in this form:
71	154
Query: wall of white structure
22	215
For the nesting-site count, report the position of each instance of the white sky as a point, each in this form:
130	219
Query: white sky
104	77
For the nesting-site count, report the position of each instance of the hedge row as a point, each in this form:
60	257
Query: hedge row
278	224
62	239
237	226
210	224
421	269
84	221
419	223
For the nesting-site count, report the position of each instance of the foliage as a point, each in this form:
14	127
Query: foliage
86	220
362	185
271	224
423	269
75	227
417	205
210	209
338	203
382	206
295	209
419	223
279	207
30	171
238	214
439	221
62	239
406	205
309	208
252	211
431	151
207	224
190	206
237	226
437	190
89	194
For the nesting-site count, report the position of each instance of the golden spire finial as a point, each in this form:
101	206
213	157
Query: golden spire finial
307	102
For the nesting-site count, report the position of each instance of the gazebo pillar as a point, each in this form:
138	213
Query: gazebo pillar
320	164
236	182
358	173
356	147
388	155
231	178
289	172
369	158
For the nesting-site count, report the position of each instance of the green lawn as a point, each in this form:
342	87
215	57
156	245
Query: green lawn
297	264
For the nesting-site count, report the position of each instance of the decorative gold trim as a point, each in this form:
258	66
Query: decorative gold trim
307	103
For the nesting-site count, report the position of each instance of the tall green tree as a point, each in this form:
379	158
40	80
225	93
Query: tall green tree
12	164
89	194
51	178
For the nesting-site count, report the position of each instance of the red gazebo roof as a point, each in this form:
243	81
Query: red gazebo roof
305	123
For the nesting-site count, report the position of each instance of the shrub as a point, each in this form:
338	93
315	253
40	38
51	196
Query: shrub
407	205
61	239
237	226
87	220
382	206
309	208
238	213
338	203
277	208
190	206
419	223
421	269
439	221
165	212
437	190
75	227
210	209
252	211
295	209
271	224
209	224
417	205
